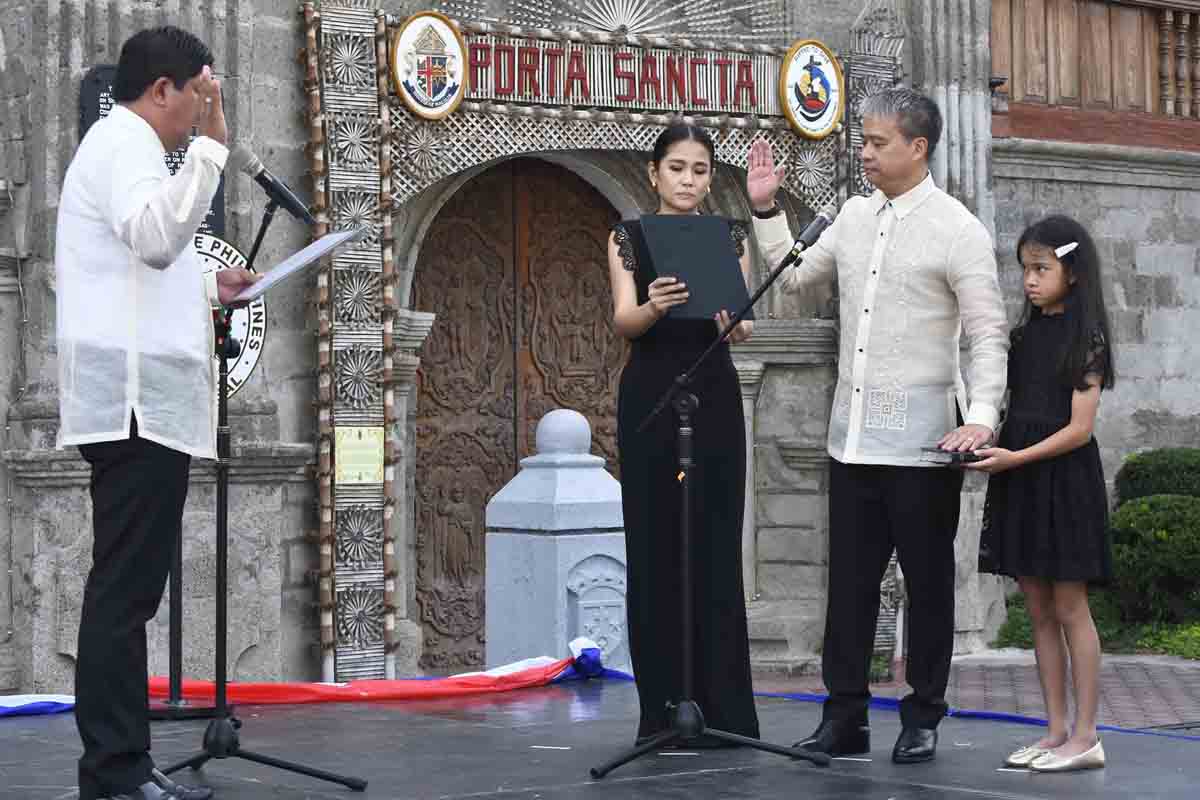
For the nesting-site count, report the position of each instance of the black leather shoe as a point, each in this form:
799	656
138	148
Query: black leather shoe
915	745
178	789
838	739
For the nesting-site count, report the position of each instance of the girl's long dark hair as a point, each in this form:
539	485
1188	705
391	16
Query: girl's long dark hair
1089	347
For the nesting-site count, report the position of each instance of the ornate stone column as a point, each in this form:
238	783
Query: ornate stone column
954	68
411	328
750	375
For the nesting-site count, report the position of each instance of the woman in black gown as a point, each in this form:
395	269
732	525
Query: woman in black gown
681	172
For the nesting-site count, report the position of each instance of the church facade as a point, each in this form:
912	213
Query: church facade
485	148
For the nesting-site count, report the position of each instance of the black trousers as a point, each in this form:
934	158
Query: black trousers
138	489
873	509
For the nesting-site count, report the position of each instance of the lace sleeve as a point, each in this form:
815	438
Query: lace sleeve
739	232
625	247
1097	358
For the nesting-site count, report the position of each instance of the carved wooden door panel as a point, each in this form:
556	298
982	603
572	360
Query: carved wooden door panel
515	268
568	355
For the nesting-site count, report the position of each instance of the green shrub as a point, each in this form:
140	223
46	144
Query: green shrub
1017	630
1171	470
1176	640
1156	558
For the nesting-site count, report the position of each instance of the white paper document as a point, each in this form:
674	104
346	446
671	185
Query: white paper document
299	261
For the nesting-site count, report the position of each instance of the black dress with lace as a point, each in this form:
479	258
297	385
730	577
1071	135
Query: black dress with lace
1048	519
650	495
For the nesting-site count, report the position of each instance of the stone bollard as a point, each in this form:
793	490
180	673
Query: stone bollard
556	552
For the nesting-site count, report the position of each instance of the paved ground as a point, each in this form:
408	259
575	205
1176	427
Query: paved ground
1135	691
538	744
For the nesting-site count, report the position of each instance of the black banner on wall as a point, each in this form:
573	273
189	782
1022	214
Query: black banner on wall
96	100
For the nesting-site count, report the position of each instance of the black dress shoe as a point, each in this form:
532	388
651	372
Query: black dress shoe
178	789
838	739
915	745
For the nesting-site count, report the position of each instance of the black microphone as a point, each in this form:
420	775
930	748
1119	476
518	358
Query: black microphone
241	159
808	237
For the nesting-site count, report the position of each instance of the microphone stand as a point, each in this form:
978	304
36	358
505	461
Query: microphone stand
687	719
221	736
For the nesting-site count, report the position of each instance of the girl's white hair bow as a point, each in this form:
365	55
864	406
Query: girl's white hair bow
1059	252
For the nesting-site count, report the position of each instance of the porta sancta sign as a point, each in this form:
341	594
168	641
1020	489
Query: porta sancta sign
434	66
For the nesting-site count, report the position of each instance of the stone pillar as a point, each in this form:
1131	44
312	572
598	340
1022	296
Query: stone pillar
954	67
556	552
411	329
750	375
14	207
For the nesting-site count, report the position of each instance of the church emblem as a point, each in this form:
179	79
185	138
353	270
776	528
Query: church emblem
428	58
249	323
812	89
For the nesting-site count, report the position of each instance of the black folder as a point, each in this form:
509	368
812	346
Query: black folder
697	250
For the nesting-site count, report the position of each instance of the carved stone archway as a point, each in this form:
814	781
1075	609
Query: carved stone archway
375	164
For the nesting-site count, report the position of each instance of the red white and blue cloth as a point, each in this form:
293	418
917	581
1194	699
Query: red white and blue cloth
584	662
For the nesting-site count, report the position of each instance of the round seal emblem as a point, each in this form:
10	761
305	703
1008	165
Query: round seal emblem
249	324
812	89
428	63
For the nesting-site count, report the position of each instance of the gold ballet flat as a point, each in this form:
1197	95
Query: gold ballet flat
1089	759
1025	756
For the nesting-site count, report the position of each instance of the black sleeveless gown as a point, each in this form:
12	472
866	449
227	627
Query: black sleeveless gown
651	500
1048	519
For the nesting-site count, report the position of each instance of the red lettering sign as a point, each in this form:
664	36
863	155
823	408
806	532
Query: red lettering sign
697	100
649	79
577	73
527	70
624	76
723	65
553	54
676	81
504	79
522	69
745	82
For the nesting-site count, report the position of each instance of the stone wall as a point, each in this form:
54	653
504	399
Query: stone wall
45	50
1142	206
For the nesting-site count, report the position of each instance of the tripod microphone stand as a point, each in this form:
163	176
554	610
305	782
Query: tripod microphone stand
221	735
687	718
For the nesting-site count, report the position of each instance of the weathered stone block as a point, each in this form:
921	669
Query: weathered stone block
778	581
793	545
791	510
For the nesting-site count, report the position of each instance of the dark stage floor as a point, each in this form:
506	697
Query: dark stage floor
538	744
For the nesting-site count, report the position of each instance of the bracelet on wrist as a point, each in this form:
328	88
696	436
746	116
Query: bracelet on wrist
771	212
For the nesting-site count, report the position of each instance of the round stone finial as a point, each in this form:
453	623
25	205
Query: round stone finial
563	431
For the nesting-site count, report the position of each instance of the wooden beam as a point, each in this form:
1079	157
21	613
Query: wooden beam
1094	126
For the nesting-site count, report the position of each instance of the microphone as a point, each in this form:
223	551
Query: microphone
808	237
241	159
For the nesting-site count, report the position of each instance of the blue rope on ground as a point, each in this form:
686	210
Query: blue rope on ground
892	704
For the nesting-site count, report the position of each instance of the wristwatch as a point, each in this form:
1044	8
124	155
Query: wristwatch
773	211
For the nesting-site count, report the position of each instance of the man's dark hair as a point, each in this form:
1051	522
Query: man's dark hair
166	52
917	116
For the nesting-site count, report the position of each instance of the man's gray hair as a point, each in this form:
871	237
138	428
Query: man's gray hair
916	115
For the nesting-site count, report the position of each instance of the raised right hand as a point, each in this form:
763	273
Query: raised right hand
763	178
212	115
665	293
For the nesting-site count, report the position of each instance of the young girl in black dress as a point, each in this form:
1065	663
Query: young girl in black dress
680	171
1046	517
